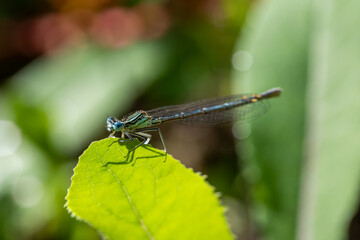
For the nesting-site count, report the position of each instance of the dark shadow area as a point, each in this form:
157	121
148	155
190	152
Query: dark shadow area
354	227
129	158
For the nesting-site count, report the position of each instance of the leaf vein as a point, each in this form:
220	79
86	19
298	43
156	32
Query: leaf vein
137	214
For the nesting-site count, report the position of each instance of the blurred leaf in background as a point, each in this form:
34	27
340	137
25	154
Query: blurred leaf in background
305	166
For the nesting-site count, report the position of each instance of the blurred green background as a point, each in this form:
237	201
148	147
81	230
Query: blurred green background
66	65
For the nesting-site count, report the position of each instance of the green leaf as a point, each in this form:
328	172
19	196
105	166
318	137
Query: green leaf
330	183
277	137
307	157
141	196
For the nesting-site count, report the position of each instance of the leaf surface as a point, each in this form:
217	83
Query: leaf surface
140	196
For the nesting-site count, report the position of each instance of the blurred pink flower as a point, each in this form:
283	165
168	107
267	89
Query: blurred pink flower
117	27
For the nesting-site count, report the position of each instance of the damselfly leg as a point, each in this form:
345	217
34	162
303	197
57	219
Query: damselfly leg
154	129
145	137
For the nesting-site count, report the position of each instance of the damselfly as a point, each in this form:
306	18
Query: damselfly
204	112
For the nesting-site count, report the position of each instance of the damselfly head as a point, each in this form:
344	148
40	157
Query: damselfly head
110	124
114	125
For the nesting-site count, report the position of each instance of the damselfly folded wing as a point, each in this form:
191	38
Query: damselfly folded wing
249	110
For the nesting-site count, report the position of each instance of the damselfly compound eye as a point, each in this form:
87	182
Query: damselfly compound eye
118	126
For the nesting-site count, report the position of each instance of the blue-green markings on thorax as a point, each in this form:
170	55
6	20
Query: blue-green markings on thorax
137	120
